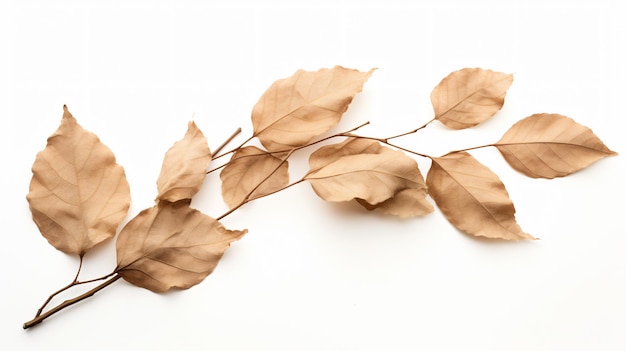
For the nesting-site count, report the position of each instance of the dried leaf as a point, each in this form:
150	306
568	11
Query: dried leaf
376	176
472	197
470	96
171	246
78	194
295	110
184	166
550	145
247	169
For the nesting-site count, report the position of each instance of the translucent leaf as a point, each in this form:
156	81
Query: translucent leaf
171	246
375	176
472	197
184	166
470	96
78	194
550	145
295	110
247	169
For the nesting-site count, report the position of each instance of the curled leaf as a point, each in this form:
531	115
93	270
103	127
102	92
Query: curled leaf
171	246
78	194
409	202
472	197
184	166
295	110
249	167
469	96
550	145
375	176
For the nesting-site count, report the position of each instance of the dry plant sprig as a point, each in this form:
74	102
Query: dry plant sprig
79	194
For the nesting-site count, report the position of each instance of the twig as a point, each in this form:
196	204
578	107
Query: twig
230	138
67	303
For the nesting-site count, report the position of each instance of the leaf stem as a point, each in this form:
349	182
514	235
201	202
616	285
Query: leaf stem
342	134
470	148
40	318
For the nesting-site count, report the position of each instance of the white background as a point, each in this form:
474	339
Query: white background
311	275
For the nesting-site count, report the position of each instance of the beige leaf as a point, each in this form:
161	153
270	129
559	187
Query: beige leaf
550	145
78	194
295	110
171	246
470	96
246	170
184	166
472	197
376	176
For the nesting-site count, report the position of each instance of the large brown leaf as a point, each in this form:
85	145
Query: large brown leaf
550	145
470	96
246	170
472	197
171	246
295	110
375	176
184	166
78	194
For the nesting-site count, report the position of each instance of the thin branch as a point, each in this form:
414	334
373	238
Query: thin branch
342	134
80	265
235	149
412	131
67	303
230	138
75	282
247	198
470	148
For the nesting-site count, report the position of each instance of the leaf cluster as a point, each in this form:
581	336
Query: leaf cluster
79	194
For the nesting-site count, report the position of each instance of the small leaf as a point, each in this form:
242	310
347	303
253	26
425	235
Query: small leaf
78	194
472	197
375	176
171	246
295	110
470	96
184	166
550	145
247	169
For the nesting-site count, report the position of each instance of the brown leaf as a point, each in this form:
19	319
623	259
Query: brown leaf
472	197
470	96
246	170
171	246
78	194
184	166
295	110
376	176
550	145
